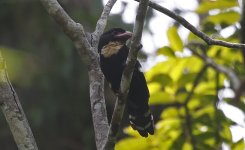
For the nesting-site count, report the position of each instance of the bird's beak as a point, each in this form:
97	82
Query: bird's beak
125	36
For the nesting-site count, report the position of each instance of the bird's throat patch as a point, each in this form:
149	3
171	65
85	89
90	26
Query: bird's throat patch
111	48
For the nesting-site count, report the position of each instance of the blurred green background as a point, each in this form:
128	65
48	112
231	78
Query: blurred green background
47	73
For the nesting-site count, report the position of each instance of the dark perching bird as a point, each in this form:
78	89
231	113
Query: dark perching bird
113	55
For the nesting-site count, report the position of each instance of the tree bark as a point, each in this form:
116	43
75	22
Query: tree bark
14	114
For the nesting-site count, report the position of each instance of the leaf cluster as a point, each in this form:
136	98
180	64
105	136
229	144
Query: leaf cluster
188	91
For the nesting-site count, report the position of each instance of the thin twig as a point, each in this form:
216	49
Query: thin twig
195	83
193	29
216	115
127	75
239	92
227	71
101	23
188	98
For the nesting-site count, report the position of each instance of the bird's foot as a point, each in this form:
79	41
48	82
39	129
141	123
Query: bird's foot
139	46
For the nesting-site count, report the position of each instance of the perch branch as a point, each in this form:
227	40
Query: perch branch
88	52
96	79
127	75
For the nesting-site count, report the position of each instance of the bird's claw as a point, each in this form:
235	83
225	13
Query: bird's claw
139	46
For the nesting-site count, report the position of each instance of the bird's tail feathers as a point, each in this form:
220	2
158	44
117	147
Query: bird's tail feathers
142	122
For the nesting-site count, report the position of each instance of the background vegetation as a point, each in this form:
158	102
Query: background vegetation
186	94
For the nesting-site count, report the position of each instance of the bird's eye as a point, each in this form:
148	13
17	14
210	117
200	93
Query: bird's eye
115	32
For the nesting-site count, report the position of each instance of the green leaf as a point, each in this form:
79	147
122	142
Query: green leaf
205	135
193	64
183	66
226	133
206	87
215	51
163	79
133	143
205	146
154	87
160	98
203	119
169	113
166	51
204	114
230	17
194	103
169	123
181	95
160	68
200	100
205	6
130	131
240	145
174	39
187	146
227	60
169	127
186	78
178	143
178	69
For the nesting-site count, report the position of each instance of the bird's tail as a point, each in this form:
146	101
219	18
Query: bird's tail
141	119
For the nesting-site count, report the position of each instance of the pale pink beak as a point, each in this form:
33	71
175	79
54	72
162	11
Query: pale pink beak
124	36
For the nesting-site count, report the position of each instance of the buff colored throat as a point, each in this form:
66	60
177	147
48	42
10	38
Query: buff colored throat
111	48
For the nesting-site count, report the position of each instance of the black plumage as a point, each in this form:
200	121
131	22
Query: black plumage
113	55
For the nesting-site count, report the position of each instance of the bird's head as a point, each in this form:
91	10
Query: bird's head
114	37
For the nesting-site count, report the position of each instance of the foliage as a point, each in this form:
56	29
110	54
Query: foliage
188	91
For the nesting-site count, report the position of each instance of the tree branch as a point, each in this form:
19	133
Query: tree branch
239	92
96	79
242	33
88	52
101	23
193	29
227	71
14	113
188	98
98	106
127	75
218	140
72	29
